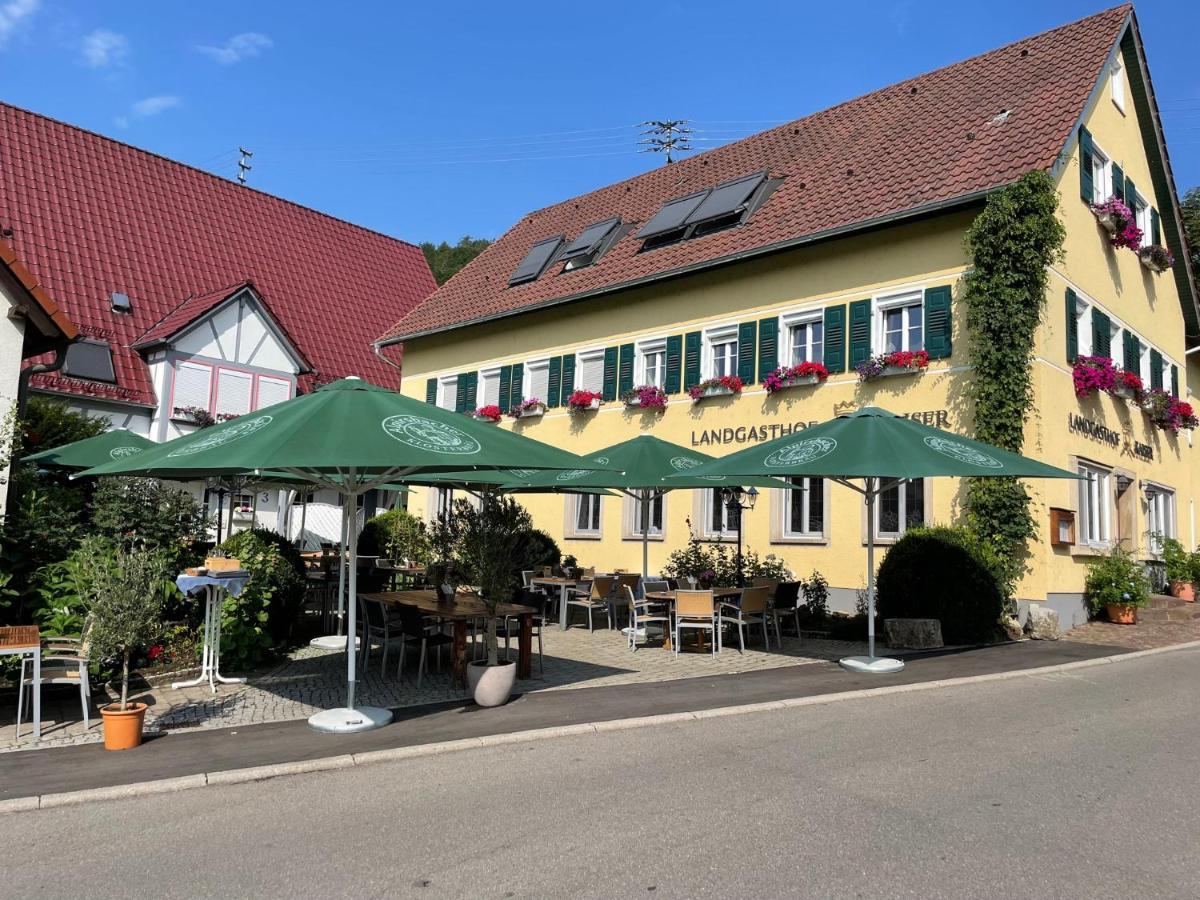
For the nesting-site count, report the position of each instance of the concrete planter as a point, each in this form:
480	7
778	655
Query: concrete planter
889	371
1107	222
491	685
532	413
801	381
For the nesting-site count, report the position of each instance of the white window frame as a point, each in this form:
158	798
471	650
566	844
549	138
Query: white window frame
1117	84
1083	325
583	358
1101	175
904	300
632	526
797	320
447	392
574	501
1160	504
803	493
645	348
1141	215
1144	363
728	529
902	523
1095	496
488	377
531	366
718	335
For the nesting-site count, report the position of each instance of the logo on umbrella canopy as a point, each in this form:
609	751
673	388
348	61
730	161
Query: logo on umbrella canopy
686	463
572	474
800	453
218	438
963	453
122	452
426	434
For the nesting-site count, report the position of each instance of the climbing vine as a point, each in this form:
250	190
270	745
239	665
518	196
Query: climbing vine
1012	243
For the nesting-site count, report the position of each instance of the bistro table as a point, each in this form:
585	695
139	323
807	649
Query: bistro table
668	597
25	640
401	576
215	587
466	607
565	586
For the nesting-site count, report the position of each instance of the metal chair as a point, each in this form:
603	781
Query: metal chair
696	610
381	622
748	609
415	630
625	580
645	612
595	596
64	661
786	603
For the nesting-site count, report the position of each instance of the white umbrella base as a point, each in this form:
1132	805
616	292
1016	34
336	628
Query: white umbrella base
331	642
871	665
349	721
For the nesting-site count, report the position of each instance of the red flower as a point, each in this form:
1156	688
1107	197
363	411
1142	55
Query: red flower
155	652
580	401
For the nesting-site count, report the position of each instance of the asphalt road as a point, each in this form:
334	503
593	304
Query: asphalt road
1074	785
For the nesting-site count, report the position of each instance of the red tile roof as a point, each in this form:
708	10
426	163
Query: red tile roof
90	216
919	144
185	314
26	279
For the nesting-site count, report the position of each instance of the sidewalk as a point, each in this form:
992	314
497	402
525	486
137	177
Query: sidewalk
173	755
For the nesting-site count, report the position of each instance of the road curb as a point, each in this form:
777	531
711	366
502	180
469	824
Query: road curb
351	760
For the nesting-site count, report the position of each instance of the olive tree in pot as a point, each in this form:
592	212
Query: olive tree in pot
488	540
126	591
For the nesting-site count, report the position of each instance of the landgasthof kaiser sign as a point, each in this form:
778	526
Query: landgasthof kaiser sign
1098	431
757	434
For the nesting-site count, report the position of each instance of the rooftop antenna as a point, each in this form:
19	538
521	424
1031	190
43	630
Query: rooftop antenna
669	136
243	164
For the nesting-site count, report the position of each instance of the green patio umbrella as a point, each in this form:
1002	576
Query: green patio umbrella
884	450
94	451
349	436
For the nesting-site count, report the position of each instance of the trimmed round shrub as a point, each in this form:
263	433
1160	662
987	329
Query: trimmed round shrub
947	574
395	533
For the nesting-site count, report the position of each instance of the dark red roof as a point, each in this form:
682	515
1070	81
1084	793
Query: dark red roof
91	216
38	293
928	141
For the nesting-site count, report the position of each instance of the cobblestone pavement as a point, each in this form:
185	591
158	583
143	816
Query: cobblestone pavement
1142	636
310	680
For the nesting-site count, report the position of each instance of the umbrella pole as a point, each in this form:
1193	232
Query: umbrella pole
352	564
645	523
868	499
343	549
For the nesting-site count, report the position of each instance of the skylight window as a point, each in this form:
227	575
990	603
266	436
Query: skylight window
730	198
535	261
584	249
90	360
673	215
703	212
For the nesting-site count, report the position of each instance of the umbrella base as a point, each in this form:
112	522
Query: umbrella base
331	642
871	665
350	721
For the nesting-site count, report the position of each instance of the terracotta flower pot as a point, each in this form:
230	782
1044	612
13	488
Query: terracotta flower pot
123	729
491	685
1184	590
1121	614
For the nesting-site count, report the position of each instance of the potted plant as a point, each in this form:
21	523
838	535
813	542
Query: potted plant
1181	569
1117	584
489	413
898	362
646	396
1127	386
1156	258
1167	412
583	401
1091	374
725	386
793	376
126	591
196	415
528	408
1118	220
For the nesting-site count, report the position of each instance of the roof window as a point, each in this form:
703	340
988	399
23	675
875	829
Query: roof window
704	212
91	360
120	302
535	261
586	248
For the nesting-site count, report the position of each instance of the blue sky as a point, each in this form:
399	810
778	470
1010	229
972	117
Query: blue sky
430	121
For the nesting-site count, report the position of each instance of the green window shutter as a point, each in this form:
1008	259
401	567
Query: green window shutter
860	332
1175	380
568	375
835	338
691	359
516	385
1155	227
625	369
747	334
431	390
1087	190
1130	195
1072	326
554	380
674	363
937	322
460	393
505	380
1133	352
472	391
608	389
1156	370
1101	334
1118	183
768	346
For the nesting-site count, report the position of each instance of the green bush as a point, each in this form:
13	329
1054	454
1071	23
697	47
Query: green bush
1178	561
258	621
396	534
536	549
150	513
944	573
1116	579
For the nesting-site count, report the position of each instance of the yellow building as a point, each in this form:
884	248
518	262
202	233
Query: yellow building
834	239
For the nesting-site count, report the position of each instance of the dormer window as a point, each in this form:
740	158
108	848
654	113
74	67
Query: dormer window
586	249
713	209
90	360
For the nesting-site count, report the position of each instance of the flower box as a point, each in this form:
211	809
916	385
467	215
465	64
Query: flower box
888	371
1123	392
806	373
489	413
1156	258
1118	220
645	396
899	362
725	386
1108	222
478	418
528	409
531	412
584	401
717	391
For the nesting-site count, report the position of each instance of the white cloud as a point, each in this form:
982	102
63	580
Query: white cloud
12	14
103	48
239	47
901	16
149	106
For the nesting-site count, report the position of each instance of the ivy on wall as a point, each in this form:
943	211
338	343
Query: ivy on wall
1012	243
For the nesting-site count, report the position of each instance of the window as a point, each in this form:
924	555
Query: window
806	341
589	371
1141	216
443	502
1101	176
1095	513
1083	326
233	393
193	387
722	352
901	323
648	520
272	391
1118	84
535	261
585	518
899	508
1144	363
1160	516
585	249
489	387
91	360
804	508
720	519
652	363
537	380
447	392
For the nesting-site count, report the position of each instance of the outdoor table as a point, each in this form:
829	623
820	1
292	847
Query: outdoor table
215	586
464	608
24	640
719	595
405	575
565	586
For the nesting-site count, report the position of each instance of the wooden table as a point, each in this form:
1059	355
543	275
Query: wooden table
25	640
719	594
564	585
407	574
464	608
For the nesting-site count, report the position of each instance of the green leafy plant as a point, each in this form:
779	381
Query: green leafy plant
770	566
1012	245
152	513
395	534
1116	579
1177	560
254	623
815	591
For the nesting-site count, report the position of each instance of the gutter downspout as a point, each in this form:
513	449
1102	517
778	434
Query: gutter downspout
378	350
60	357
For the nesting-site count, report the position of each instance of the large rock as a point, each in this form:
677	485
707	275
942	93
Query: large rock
1012	628
913	634
1042	624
